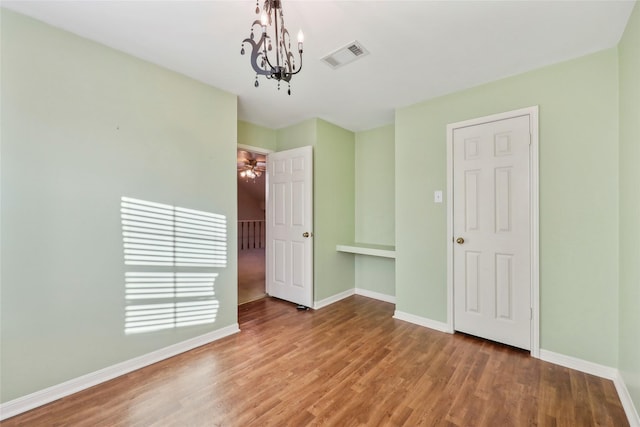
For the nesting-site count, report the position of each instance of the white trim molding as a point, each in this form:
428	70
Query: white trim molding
333	298
48	395
253	149
385	251
627	403
578	364
532	112
376	295
357	291
423	321
600	371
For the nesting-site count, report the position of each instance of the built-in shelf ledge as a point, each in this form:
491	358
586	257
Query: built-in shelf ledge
385	251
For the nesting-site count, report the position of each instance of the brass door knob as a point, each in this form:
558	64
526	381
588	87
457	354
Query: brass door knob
459	240
305	234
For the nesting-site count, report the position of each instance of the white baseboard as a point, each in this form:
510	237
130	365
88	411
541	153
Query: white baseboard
376	295
625	398
333	298
423	321
357	291
579	364
599	371
47	395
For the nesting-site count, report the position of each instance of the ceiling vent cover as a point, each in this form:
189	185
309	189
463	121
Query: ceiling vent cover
345	55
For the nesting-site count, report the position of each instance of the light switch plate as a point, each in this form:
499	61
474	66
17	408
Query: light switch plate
437	196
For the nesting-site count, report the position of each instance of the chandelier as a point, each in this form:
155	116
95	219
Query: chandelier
273	35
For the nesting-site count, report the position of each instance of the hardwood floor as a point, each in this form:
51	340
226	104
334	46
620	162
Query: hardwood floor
348	364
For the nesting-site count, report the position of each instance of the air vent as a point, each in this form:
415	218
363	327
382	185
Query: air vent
345	55
356	50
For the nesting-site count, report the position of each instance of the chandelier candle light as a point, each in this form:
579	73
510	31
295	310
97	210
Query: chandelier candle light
280	66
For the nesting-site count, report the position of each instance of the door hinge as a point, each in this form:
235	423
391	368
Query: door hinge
530	313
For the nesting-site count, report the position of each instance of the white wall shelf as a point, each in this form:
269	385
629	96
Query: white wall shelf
385	251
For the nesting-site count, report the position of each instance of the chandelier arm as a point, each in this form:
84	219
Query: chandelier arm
286	39
287	75
266	57
275	18
300	67
285	52
255	54
293	73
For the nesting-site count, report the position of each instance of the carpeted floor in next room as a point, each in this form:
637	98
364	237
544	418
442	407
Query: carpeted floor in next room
251	275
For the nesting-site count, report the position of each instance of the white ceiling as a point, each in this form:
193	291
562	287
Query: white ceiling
418	49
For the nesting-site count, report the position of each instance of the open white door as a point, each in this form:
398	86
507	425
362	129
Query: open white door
289	268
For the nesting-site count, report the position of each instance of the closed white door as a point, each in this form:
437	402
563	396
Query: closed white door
289	268
492	231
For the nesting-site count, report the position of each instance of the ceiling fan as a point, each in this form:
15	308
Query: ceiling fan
251	166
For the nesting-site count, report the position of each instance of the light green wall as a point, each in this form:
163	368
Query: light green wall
375	207
334	207
83	125
578	199
298	135
256	136
629	353
375	274
375	190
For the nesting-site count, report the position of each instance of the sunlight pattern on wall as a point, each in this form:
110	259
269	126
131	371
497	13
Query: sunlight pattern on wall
158	234
168	300
171	248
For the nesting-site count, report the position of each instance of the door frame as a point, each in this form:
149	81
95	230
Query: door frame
532	112
253	149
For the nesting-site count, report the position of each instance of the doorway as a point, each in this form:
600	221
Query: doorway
492	216
251	176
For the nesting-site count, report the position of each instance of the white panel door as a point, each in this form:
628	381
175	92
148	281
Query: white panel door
289	268
492	231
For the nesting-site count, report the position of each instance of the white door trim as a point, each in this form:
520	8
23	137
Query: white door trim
532	112
253	149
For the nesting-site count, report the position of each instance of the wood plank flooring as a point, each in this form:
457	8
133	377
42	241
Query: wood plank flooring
348	364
